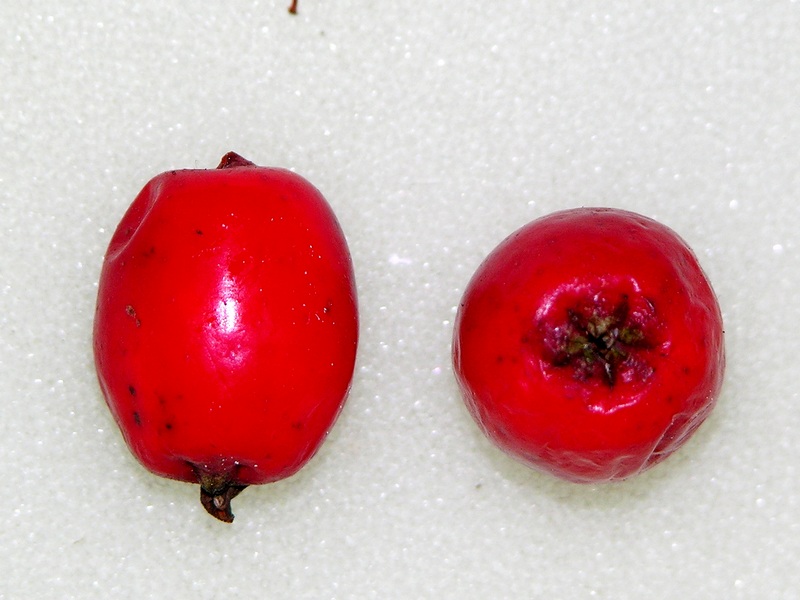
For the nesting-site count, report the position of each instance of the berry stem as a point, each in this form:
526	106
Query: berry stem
293	7
216	493
232	160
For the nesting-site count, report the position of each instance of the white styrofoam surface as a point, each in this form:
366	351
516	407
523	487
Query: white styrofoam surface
434	130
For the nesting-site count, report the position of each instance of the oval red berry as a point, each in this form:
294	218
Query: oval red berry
589	344
226	326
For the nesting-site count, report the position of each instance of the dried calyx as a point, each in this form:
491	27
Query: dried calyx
600	344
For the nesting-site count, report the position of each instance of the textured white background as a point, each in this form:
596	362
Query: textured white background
434	129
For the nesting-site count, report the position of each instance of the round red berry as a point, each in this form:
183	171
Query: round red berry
589	344
226	326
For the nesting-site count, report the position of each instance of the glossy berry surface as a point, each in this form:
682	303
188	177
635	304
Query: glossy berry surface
589	344
226	326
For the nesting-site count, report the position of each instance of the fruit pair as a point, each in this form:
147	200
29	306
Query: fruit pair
588	344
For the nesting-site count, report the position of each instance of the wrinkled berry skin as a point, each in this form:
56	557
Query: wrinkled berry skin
226	326
589	344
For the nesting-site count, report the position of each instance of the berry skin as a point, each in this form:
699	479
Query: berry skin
589	344
226	326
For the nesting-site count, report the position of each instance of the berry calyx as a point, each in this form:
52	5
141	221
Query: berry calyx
602	341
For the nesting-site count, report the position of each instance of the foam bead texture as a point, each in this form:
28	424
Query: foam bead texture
434	130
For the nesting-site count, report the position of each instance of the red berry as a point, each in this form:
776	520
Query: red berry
226	326
589	344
